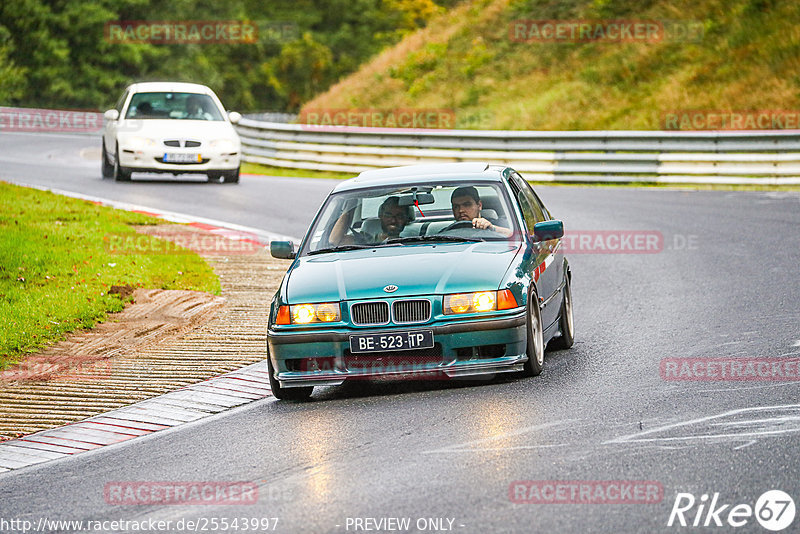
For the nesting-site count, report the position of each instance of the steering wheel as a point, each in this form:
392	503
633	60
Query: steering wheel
456	225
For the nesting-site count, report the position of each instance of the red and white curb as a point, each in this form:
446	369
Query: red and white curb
222	228
185	405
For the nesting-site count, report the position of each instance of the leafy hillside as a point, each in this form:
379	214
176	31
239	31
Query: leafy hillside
746	58
60	54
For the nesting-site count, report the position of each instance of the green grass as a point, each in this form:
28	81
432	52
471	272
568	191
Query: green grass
256	168
747	59
56	270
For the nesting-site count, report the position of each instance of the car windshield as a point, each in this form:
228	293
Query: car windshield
182	106
403	215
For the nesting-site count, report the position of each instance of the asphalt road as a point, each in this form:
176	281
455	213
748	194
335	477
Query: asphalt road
725	285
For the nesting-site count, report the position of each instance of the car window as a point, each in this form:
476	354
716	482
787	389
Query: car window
182	106
374	216
529	205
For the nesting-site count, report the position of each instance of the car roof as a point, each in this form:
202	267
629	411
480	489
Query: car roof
169	87
412	174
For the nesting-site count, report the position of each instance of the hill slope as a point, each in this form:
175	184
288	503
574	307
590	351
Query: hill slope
747	58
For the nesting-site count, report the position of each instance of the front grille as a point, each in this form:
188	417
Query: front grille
177	143
370	313
411	311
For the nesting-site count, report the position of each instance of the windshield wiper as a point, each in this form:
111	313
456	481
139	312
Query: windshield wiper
338	249
418	238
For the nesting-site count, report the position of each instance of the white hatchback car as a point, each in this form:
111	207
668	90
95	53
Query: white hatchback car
170	128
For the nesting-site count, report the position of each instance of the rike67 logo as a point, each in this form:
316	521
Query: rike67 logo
774	510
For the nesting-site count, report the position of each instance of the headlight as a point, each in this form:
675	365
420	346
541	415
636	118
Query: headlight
480	301
139	141
224	145
326	312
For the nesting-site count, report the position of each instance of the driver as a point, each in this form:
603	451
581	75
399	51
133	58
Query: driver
467	206
195	109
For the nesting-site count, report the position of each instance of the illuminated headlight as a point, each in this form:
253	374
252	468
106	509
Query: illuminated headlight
139	142
326	312
224	145
479	301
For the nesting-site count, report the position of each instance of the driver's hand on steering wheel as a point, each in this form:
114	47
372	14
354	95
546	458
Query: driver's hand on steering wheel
482	224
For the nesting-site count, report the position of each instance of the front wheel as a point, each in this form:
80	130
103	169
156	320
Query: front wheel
231	177
565	320
121	174
282	393
106	168
535	347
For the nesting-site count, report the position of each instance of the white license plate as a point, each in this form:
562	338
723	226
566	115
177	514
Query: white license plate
417	339
181	158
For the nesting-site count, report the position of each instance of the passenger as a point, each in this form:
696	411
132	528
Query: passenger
467	206
144	110
393	219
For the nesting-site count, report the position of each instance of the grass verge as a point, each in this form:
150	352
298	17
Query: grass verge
56	269
256	168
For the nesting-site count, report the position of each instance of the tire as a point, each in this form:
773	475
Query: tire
231	177
105	167
281	393
535	344
121	174
565	320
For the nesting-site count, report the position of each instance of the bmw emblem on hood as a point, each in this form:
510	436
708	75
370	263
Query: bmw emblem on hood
390	288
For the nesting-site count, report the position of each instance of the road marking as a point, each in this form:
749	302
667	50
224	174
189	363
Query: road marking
781	423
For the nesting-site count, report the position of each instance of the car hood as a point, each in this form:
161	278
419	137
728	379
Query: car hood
414	269
167	129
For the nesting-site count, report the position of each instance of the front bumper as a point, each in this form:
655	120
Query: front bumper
149	159
462	348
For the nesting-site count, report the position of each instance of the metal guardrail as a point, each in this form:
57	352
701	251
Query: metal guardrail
738	157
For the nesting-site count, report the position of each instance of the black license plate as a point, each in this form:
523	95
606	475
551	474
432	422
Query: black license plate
418	339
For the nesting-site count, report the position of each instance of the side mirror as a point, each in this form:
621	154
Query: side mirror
234	117
282	249
111	115
548	230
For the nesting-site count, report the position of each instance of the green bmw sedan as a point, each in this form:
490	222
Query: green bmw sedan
427	271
